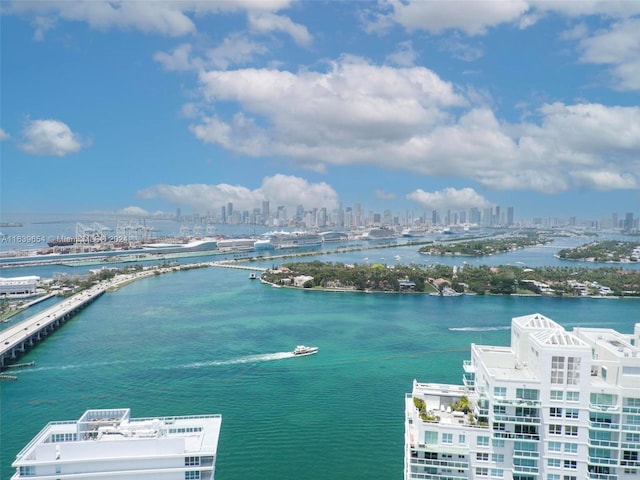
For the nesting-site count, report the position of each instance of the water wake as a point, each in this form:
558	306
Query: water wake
266	357
478	329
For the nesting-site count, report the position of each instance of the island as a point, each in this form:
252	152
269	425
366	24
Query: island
606	251
486	246
456	280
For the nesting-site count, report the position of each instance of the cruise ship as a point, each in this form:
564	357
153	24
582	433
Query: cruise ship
296	240
236	244
108	443
554	405
379	233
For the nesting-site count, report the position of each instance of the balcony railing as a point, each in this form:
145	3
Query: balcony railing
601	476
518	402
604	425
598	407
516	419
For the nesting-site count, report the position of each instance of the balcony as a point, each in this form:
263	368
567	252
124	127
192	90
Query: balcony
517	402
516	419
598	407
604	425
601	476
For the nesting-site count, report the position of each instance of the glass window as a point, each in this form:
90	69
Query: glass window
447	438
571	413
462	439
497	457
497	472
497	443
482	456
430	437
500	392
555	446
570	464
573	370
555	412
553	476
570	448
527	394
553	462
573	396
556	395
571	430
555	429
483	441
557	370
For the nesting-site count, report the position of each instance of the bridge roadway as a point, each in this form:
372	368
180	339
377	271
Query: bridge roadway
17	339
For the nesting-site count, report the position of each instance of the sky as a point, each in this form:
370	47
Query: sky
143	107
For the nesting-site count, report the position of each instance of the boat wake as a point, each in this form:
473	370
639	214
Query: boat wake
478	329
267	357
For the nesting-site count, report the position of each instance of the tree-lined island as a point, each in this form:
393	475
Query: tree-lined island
454	280
479	247
607	252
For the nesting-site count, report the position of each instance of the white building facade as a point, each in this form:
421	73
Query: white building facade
555	405
19	286
108	444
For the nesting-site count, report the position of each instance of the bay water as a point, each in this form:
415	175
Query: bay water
212	341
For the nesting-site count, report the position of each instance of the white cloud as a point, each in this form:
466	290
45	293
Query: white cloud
285	190
404	56
319	118
473	18
619	46
605	180
449	198
133	211
266	22
179	59
4	135
477	17
50	137
171	17
409	119
236	49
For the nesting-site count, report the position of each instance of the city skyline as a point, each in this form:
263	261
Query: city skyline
140	108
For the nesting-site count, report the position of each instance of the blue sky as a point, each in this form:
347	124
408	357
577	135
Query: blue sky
409	106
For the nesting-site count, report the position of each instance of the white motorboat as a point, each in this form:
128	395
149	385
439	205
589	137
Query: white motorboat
302	350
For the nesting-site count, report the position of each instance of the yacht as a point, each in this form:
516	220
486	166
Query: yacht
302	350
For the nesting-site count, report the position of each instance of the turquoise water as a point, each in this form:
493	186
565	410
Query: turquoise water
212	341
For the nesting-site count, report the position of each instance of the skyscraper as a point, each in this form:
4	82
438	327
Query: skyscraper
509	216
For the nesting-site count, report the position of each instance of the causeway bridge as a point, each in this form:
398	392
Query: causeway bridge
17	339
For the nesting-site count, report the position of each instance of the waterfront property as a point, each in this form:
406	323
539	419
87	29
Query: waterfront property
109	444
554	405
19	286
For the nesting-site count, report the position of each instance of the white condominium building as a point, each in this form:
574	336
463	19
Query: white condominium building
555	405
109	445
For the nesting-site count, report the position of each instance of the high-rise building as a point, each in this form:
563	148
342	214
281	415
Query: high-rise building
628	221
109	444
554	405
265	211
509	216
